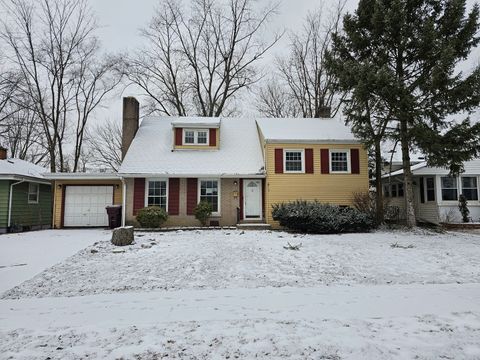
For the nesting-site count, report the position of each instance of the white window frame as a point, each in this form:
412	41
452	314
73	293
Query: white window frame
219	182
302	152
31	193
461	185
440	190
349	165
195	137
166	190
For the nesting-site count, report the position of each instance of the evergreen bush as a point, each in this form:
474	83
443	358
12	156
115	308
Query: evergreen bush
203	211
151	217
463	207
315	217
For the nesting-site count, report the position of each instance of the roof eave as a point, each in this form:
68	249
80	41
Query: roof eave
168	175
313	141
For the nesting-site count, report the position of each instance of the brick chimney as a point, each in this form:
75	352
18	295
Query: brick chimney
131	116
3	153
325	112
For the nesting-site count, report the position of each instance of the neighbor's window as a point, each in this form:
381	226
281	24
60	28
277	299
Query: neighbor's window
195	137
449	188
469	187
209	193
294	161
157	193
386	190
394	190
400	190
33	192
430	189
339	161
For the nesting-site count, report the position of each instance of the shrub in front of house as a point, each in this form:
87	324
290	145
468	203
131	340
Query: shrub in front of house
463	207
319	218
203	211
151	217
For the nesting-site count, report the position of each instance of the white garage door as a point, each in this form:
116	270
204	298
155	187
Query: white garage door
85	205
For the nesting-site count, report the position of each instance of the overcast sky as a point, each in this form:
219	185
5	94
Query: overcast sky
120	21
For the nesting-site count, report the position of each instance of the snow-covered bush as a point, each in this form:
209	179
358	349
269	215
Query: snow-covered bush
203	211
151	217
315	217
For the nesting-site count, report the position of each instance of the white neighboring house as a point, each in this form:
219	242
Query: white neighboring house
436	193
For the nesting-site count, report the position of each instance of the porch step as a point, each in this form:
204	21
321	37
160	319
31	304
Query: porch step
254	226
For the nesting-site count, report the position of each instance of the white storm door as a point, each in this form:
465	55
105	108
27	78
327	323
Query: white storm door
85	205
252	190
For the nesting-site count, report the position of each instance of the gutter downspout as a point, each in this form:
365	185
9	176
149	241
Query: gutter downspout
10	197
124	200
54	195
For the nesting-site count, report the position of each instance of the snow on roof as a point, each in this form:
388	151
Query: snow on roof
18	167
388	147
197	122
151	151
471	167
298	130
400	171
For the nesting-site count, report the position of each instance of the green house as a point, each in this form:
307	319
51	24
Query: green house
25	196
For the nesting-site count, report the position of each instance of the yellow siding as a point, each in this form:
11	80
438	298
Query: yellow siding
58	195
328	188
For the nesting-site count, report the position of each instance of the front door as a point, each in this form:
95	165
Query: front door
252	190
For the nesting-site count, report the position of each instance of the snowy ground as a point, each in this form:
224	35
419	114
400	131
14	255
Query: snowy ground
228	294
234	259
24	255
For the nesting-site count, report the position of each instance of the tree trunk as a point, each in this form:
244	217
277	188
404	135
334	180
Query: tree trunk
379	210
407	172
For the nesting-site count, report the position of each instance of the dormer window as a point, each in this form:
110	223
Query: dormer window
195	137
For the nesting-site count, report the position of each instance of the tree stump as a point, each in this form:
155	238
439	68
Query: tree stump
122	236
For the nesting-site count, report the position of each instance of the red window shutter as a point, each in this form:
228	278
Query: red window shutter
309	161
278	161
178	136
355	161
325	161
173	196
138	194
240	185
213	137
191	195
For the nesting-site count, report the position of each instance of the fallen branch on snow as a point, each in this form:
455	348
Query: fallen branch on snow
398	246
292	247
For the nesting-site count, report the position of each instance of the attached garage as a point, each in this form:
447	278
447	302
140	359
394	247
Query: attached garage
80	198
85	205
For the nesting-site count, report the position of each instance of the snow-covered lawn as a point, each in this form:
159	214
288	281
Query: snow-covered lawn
24	255
232	294
235	259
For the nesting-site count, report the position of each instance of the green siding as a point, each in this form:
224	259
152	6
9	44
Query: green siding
27	215
4	189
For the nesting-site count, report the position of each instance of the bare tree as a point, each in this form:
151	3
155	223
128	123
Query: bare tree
24	135
302	74
274	100
53	46
198	60
104	142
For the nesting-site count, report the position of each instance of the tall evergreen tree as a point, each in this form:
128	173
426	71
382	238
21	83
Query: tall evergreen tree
411	51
